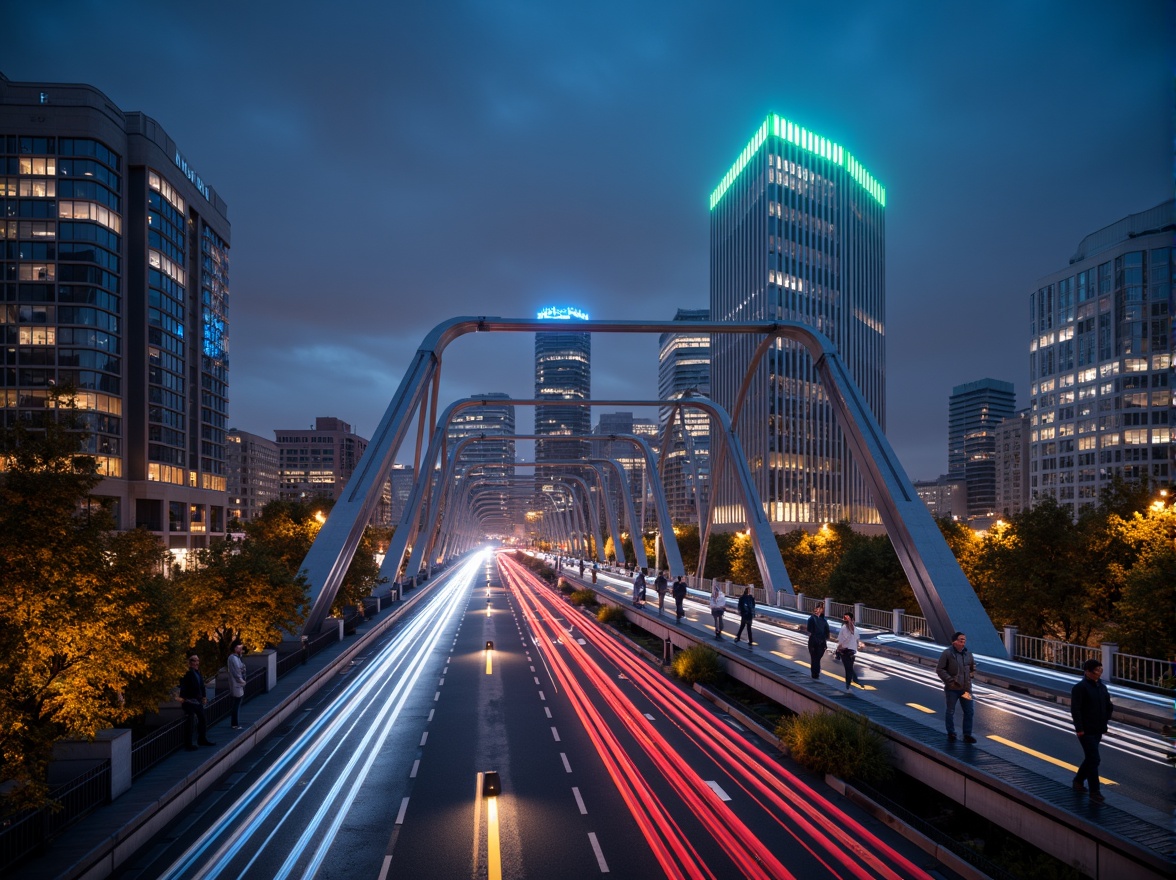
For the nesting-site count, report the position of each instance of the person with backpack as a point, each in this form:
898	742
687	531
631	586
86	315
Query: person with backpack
746	615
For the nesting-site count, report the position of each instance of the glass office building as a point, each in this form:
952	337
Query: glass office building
683	367
1100	363
797	233
115	281
974	411
563	375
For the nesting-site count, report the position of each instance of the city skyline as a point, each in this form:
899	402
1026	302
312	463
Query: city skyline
493	161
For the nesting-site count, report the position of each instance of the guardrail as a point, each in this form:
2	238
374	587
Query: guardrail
1050	652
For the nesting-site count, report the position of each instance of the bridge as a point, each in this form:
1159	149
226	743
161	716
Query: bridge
478	671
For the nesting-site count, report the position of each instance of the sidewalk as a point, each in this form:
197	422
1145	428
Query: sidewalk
97	845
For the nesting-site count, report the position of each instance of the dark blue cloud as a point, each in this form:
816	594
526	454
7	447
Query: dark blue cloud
388	167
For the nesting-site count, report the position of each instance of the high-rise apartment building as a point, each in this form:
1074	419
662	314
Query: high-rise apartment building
1100	363
253	474
563	374
797	233
115	282
683	367
317	462
974	411
1012	464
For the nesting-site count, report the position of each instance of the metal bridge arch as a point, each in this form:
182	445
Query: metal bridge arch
939	585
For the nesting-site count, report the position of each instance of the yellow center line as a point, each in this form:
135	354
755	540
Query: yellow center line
1073	768
493	853
921	708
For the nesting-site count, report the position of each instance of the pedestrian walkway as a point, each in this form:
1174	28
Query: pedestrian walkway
1123	824
96	845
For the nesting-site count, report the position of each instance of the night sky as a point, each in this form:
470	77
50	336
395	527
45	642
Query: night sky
388	167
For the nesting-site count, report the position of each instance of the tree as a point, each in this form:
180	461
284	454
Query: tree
869	572
1145	615
811	559
89	624
1034	574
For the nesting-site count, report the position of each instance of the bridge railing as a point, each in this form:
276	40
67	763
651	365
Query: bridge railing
1147	672
28	832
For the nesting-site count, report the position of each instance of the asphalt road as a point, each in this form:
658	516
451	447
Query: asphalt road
604	766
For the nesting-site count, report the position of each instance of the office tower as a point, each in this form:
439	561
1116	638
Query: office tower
489	453
629	456
945	497
317	462
974	411
495	422
115	276
1012	464
683	366
797	233
1100	363
253	474
563	372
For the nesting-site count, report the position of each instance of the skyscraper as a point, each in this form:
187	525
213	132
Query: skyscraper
1100	363
974	411
115	276
797	233
683	366
563	372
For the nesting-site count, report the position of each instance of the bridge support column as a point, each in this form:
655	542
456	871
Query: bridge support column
896	620
1010	641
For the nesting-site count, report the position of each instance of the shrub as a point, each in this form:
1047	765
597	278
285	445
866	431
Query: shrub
699	663
566	587
838	743
610	613
583	597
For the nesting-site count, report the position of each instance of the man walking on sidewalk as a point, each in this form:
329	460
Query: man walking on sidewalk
1091	709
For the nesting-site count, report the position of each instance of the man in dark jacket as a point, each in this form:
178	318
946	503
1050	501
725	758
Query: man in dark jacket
193	697
679	593
746	614
1091	709
818	637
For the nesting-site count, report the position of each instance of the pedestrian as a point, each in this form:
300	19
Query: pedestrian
581	569
847	645
1091	709
639	588
955	669
193	697
236	683
679	592
718	605
818	638
746	615
661	585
